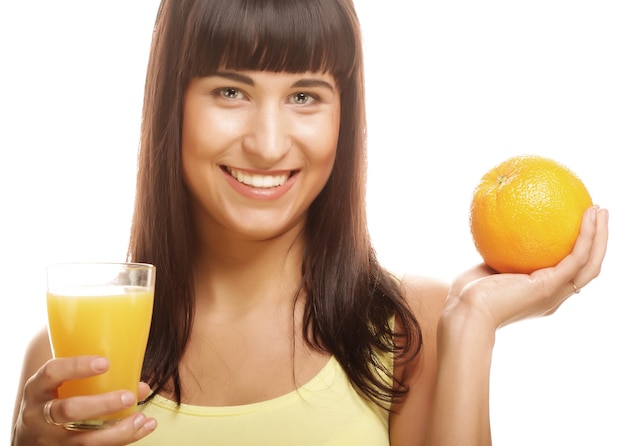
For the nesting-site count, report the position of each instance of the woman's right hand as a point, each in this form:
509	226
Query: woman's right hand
31	426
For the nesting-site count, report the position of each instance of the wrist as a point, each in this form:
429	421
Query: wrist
464	322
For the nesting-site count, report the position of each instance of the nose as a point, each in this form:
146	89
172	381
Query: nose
268	139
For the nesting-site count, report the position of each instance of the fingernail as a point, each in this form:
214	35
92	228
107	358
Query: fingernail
594	213
128	399
139	421
99	364
150	425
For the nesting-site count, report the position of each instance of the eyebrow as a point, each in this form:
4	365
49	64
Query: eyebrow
309	83
306	82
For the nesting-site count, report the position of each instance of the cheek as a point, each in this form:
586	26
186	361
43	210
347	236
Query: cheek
331	138
325	136
206	130
190	132
327	158
196	149
195	134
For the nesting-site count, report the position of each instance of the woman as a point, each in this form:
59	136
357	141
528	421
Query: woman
274	323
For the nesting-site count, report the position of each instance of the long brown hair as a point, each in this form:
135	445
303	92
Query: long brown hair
351	301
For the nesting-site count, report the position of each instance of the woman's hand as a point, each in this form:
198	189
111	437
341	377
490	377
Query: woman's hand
32	428
505	298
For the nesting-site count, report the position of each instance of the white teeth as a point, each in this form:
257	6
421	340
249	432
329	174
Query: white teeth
260	181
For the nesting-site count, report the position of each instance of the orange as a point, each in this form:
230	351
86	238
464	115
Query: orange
526	214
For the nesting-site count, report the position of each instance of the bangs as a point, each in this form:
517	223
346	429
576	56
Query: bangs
271	35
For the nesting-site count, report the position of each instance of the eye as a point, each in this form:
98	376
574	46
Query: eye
302	98
229	93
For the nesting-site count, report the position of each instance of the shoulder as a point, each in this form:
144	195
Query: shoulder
426	296
38	349
38	352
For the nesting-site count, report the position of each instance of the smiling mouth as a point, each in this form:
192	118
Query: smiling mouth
256	180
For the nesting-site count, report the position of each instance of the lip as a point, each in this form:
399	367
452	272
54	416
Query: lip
260	193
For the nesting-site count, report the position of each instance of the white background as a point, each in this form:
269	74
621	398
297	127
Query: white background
454	88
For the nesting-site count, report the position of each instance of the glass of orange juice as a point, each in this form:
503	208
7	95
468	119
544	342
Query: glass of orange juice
101	309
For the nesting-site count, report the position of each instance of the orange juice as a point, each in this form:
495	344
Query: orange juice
113	322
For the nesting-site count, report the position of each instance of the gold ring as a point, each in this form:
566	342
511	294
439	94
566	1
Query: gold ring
576	289
48	416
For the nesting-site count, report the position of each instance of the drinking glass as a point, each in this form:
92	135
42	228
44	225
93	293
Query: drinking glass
102	309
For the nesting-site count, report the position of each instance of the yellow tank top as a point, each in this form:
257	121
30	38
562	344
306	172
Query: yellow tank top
326	411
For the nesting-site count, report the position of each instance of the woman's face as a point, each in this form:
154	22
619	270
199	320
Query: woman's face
257	148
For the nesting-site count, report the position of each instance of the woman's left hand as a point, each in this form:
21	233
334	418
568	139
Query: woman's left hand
505	298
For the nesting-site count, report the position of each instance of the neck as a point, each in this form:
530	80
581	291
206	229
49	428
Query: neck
235	274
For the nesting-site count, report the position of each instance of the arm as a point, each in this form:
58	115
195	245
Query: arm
478	303
409	417
461	408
